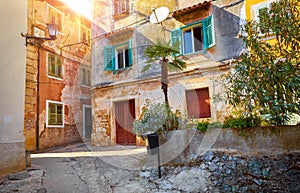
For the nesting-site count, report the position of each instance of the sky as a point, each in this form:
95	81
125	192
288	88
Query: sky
81	6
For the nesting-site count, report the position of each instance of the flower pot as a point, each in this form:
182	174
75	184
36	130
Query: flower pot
153	140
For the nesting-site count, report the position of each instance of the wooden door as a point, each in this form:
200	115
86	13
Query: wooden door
87	122
124	116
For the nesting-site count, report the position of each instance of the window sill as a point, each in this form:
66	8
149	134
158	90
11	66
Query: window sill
266	37
86	86
121	15
204	51
55	126
118	71
54	77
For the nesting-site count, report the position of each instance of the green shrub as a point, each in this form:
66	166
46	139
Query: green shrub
215	125
241	122
202	126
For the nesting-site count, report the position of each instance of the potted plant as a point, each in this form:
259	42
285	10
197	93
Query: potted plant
156	119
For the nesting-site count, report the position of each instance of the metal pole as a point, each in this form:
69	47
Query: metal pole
37	135
158	162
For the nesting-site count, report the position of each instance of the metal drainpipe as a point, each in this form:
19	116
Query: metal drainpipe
38	102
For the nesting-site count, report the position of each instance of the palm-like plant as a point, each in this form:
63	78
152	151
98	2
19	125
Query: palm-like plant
166	54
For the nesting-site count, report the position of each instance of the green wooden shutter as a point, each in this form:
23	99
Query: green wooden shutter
176	39
88	77
51	64
59	21
52	114
109	58
59	68
208	32
130	52
59	114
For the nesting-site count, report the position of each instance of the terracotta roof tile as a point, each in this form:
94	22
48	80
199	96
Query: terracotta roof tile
119	31
191	9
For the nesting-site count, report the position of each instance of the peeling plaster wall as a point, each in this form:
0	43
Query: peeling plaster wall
69	90
203	70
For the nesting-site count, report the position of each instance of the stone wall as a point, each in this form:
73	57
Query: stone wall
231	172
263	159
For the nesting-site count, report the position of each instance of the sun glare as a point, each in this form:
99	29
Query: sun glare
82	7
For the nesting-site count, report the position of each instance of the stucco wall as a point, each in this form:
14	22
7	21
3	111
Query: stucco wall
12	78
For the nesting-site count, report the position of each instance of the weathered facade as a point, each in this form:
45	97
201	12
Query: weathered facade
57	100
12	76
208	35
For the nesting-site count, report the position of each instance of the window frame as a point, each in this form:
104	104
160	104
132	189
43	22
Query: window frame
49	125
54	75
120	11
191	111
86	39
208	35
58	21
123	48
184	30
110	56
255	13
85	76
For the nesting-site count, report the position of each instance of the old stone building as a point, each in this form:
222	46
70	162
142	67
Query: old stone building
57	99
207	31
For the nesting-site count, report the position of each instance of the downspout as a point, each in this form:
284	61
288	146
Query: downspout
37	137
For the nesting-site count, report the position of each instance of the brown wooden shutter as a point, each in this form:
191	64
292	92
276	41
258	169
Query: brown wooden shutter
192	104
204	103
117	7
198	103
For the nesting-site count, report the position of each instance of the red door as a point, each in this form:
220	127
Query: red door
124	116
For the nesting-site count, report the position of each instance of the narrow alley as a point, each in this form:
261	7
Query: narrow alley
84	168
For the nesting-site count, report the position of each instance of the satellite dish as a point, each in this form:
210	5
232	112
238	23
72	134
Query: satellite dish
158	15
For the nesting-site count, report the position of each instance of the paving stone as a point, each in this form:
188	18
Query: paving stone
19	176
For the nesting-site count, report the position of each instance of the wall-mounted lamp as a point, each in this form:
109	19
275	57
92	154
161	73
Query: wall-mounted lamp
52	30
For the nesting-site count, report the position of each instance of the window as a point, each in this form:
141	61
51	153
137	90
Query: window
121	6
195	37
55	16
85	76
84	34
198	103
54	66
260	13
55	114
118	57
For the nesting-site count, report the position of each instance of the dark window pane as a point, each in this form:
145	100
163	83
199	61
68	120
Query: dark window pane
120	59
198	38
126	58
